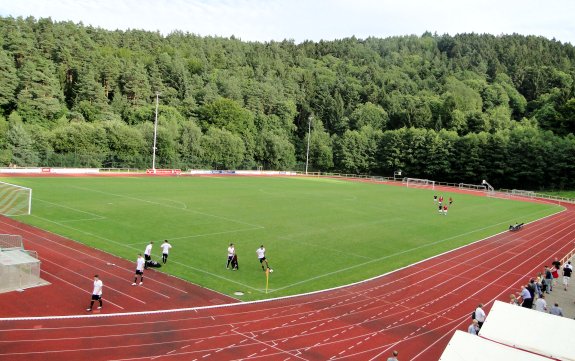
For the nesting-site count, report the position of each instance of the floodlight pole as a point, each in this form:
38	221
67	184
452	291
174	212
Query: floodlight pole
155	135
308	137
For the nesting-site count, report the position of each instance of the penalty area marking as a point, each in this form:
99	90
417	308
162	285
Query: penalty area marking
169	206
197	235
94	217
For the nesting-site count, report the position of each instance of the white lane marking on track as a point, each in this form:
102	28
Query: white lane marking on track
135	248
266	344
110	302
106	286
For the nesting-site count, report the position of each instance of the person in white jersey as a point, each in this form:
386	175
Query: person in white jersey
140	262
261	252
165	250
96	293
148	254
231	253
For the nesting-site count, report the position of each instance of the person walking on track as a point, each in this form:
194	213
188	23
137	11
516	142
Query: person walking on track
140	262
96	293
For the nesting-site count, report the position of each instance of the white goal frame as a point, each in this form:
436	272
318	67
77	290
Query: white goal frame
419	183
15	200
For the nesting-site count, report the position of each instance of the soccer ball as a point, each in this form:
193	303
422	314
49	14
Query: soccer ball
271	270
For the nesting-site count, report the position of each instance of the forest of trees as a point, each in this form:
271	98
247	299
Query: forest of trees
449	108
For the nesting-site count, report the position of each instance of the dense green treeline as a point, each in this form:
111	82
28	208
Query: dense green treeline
453	108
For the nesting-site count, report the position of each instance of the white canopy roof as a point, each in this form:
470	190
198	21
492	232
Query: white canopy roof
538	332
467	347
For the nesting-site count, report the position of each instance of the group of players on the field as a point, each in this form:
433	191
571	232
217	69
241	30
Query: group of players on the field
442	207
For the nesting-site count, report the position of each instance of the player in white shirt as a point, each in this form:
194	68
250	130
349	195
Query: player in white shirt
96	293
148	254
140	262
231	253
165	250
261	252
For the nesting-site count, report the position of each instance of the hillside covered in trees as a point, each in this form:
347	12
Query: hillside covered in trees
449	108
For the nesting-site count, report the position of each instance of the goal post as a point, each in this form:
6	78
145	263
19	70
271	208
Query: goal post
15	200
419	183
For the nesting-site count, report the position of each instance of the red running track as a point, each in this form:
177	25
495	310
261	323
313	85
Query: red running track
414	310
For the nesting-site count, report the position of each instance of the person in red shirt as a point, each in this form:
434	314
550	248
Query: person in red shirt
445	210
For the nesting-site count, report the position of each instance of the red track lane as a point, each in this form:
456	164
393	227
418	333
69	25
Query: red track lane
414	310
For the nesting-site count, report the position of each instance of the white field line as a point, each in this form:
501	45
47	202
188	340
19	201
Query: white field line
199	270
169	206
93	218
325	248
250	302
196	236
393	255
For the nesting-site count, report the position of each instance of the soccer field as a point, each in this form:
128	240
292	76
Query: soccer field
318	232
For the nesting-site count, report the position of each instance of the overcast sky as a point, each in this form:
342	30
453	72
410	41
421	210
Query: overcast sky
299	20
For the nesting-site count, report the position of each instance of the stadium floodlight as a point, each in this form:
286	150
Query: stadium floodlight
155	134
308	137
396	173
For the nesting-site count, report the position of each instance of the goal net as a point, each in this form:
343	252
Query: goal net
10	242
522	193
419	183
15	200
475	187
19	269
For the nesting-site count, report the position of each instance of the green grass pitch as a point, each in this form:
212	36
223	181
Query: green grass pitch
318	232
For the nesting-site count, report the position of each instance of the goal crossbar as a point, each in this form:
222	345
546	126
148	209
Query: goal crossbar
420	183
15	200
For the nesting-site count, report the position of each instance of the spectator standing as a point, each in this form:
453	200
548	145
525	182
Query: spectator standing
548	279
231	253
567	270
148	254
480	315
526	299
556	266
531	288
140	266
165	250
473	328
541	304
556	310
393	356
538	286
96	293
